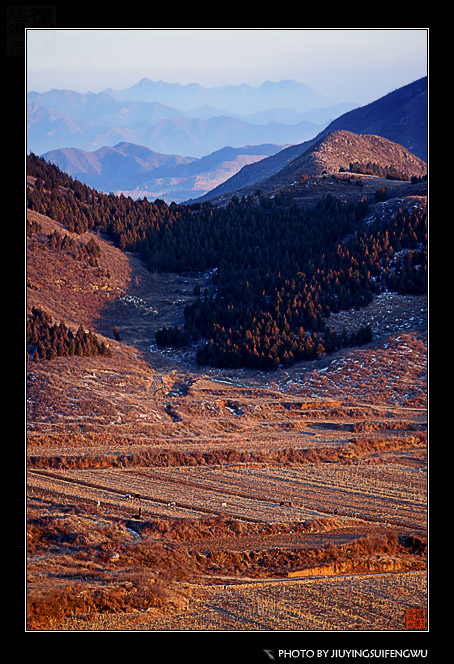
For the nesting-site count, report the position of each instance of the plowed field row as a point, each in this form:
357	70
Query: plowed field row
167	497
393	495
108	496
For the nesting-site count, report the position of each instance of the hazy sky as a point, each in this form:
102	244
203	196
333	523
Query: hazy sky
358	65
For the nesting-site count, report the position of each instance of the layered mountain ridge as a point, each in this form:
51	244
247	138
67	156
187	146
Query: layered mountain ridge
187	120
400	116
122	157
138	171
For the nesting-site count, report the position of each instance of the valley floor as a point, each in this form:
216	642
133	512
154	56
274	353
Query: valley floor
240	487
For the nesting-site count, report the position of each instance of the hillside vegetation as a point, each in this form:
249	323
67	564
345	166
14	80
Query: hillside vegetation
278	270
262	493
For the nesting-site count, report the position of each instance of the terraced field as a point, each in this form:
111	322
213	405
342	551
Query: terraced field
384	493
245	479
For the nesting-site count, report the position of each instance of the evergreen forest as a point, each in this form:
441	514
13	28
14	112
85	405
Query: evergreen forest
278	270
47	340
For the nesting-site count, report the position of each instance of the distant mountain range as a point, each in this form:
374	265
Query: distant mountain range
187	120
138	141
141	140
137	171
240	99
114	108
400	116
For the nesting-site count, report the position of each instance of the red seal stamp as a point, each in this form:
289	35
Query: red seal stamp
415	619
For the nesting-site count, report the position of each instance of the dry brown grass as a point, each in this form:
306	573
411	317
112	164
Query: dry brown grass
345	434
370	554
138	591
349	453
101	566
